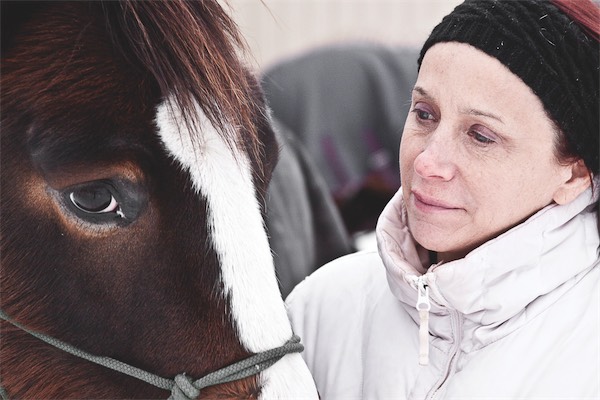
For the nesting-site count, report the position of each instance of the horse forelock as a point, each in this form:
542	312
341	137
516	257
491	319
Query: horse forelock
192	50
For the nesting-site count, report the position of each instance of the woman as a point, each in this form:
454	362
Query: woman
486	284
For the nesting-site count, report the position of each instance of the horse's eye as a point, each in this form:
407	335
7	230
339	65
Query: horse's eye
94	200
113	201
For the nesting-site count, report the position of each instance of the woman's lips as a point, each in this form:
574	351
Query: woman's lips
428	204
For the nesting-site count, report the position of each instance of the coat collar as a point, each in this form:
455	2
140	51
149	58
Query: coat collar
495	282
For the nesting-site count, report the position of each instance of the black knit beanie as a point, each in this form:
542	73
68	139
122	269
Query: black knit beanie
547	50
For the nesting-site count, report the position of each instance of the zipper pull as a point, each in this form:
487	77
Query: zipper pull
423	306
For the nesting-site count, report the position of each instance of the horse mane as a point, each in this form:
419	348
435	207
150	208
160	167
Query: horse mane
191	49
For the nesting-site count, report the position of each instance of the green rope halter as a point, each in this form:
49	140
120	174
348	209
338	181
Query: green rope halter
182	387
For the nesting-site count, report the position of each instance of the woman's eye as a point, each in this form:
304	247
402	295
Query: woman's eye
94	200
480	138
422	112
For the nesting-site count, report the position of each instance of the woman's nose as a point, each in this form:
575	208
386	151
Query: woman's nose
435	161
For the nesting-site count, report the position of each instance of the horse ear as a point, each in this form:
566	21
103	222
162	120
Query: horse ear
13	14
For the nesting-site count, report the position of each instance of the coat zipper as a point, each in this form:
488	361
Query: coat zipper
453	356
423	306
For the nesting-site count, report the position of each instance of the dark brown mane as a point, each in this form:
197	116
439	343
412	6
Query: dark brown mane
194	59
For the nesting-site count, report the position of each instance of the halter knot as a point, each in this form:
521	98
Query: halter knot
184	389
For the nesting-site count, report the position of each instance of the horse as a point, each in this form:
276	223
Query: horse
136	151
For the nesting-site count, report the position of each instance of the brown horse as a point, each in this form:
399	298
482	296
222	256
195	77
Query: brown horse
136	154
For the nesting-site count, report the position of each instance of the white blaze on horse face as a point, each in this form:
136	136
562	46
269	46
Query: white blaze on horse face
240	240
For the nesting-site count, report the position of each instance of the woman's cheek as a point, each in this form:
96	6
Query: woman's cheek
409	150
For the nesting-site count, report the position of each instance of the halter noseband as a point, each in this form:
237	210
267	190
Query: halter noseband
182	387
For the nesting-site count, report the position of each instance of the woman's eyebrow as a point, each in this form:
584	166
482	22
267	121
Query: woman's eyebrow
479	113
422	92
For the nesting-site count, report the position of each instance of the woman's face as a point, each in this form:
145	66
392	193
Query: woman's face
477	153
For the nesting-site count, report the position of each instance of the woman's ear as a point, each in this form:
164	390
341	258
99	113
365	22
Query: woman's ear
579	181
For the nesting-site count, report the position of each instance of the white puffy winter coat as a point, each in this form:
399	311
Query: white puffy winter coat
517	318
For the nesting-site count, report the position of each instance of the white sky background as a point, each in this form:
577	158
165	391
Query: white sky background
277	29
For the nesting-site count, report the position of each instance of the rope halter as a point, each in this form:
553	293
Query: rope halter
182	387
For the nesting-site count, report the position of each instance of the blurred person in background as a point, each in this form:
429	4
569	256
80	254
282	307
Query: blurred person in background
487	279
